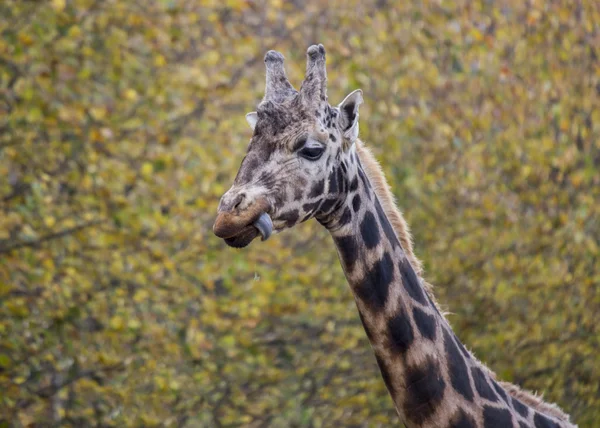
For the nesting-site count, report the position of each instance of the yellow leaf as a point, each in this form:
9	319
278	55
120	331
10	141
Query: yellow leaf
98	113
74	31
59	4
160	382
141	295
50	221
159	61
147	170
131	94
48	264
134	324
212	57
117	323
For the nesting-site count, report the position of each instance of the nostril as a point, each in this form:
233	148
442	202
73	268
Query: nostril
238	200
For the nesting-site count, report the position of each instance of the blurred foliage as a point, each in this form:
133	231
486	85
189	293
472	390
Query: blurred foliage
122	123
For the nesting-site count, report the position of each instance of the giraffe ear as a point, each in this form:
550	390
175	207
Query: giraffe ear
349	115
252	118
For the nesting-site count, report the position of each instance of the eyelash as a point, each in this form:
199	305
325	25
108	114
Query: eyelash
310	152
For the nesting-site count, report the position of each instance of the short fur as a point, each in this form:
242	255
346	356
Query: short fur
388	201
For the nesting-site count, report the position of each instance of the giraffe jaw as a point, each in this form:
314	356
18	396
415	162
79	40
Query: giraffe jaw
242	239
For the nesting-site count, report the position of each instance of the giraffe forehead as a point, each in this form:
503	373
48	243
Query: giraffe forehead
277	117
280	121
270	137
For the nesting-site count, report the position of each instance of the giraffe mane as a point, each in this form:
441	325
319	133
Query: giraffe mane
535	401
388	202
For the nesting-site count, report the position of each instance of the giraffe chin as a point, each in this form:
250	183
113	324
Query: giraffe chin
243	238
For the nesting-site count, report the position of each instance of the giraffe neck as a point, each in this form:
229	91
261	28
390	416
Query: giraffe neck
430	376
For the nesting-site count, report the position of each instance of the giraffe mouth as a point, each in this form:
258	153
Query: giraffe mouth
262	226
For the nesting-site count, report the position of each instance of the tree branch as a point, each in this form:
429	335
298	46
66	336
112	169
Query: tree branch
23	244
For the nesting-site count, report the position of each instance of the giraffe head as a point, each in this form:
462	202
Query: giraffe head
296	163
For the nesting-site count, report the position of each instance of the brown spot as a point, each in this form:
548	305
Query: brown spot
424	391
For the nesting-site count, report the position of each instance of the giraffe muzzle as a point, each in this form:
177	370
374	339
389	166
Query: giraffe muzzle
238	229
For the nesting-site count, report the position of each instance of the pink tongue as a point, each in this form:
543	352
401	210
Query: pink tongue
264	226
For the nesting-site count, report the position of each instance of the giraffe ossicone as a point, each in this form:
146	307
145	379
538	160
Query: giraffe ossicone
305	160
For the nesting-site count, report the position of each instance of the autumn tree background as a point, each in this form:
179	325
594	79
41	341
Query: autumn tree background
122	123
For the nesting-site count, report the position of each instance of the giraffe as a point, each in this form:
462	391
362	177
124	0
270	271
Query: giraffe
305	160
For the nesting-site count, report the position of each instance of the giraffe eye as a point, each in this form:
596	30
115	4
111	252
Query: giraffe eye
310	149
311	152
